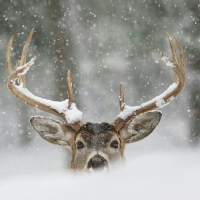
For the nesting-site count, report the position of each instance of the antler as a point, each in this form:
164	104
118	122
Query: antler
178	65
16	84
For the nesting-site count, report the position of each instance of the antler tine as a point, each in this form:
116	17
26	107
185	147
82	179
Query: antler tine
167	96
173	49
24	54
182	56
174	55
77	124
8	57
70	89
121	97
178	66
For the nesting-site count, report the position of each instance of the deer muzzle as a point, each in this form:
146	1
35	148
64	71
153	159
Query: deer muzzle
97	163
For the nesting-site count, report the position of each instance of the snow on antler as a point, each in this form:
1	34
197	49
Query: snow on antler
159	101
16	84
178	66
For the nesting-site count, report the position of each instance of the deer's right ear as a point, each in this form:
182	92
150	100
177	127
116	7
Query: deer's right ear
141	126
52	131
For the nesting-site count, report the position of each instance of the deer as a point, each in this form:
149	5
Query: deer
94	146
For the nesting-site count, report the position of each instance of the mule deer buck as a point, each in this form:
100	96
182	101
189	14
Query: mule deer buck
94	145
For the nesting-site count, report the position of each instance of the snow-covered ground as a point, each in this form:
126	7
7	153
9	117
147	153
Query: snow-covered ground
167	175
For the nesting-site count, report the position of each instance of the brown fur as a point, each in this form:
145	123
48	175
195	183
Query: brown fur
96	138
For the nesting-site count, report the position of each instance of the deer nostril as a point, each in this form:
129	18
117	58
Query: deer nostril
97	162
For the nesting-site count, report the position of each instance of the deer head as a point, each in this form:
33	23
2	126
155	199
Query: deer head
94	145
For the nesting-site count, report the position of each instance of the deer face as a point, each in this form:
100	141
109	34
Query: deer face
96	145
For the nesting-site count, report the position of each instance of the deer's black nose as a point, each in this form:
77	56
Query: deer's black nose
97	162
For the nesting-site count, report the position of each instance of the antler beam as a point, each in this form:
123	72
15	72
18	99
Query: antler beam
16	84
178	66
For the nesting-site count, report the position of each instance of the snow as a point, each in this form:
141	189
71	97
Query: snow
167	61
71	114
26	67
128	110
159	101
170	175
106	43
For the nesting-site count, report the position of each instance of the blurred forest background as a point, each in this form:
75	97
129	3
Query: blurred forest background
102	43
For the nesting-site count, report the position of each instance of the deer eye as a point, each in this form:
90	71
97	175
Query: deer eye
80	145
114	144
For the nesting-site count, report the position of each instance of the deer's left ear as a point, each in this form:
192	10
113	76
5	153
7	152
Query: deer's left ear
141	126
52	131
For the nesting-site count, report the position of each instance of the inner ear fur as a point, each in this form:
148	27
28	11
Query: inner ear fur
52	130
140	126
